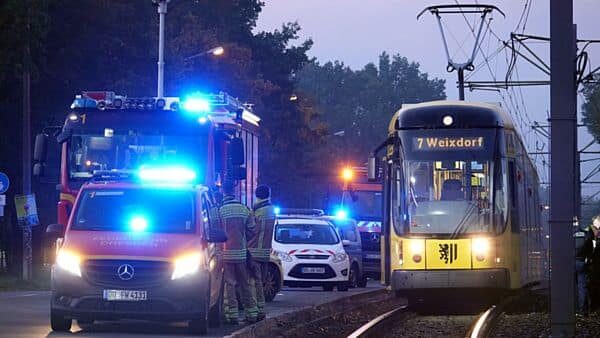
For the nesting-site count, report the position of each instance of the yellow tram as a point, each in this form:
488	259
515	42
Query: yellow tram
461	204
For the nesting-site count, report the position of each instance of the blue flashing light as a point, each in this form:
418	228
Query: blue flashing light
172	174
202	119
341	214
138	224
196	105
277	210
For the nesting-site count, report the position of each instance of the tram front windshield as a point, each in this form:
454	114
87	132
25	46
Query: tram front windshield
449	183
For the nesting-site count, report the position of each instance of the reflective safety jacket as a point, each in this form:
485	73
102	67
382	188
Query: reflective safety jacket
264	219
237	222
215	222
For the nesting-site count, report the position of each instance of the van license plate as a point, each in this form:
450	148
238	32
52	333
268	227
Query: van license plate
313	270
125	295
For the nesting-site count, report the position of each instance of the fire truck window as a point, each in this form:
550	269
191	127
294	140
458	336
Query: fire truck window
130	150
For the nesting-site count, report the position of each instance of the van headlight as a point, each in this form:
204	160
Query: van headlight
69	262
187	265
339	257
284	256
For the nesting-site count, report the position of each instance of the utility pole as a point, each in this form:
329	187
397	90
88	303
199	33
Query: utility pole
162	12
26	149
563	149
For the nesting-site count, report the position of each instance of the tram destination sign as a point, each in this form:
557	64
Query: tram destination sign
444	143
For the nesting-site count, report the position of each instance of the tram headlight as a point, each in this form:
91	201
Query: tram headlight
417	250
481	248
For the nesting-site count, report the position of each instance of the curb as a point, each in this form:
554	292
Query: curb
277	326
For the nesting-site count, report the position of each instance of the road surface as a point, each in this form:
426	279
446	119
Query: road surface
26	315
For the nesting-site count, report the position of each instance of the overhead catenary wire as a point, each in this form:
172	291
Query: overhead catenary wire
515	103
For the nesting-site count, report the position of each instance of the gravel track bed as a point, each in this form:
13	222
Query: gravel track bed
340	325
434	326
538	325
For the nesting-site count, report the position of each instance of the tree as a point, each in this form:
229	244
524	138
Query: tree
112	45
362	102
591	110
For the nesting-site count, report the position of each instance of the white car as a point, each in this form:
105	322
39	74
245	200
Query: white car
311	252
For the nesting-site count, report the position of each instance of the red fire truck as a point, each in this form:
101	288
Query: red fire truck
214	134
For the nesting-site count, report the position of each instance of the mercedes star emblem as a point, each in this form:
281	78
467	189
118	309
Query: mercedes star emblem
125	272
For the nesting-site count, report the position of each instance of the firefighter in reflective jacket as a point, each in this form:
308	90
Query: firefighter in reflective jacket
259	245
237	222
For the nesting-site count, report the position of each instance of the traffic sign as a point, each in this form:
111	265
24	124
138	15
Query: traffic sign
4	182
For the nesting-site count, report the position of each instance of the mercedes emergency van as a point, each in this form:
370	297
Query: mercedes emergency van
137	250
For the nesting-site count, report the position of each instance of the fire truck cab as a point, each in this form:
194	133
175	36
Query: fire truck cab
138	245
213	134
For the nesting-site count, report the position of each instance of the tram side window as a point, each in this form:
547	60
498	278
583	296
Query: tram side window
500	196
514	201
398	195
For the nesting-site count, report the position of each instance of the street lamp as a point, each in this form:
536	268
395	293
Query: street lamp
217	51
162	12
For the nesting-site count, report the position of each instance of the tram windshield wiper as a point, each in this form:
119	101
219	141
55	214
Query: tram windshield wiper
461	228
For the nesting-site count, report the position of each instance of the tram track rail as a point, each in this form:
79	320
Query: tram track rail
380	324
487	322
483	323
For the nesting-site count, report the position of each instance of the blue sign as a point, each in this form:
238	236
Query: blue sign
4	183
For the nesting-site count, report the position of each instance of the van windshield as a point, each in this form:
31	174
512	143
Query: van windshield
306	234
136	210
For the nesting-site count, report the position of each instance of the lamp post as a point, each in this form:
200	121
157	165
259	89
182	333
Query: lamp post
162	12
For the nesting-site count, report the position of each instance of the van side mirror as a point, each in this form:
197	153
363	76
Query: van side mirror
373	168
55	230
236	151
40	150
346	242
216	235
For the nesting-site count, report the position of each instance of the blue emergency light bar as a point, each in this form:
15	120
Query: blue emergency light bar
201	106
196	105
168	174
138	223
154	174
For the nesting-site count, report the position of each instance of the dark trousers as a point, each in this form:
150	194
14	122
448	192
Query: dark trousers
582	290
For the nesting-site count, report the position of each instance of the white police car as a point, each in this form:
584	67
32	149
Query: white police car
311	252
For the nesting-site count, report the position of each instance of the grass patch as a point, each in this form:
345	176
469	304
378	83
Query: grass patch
39	282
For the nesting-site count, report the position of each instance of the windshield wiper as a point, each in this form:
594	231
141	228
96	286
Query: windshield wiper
459	228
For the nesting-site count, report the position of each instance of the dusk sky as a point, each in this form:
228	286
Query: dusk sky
356	32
